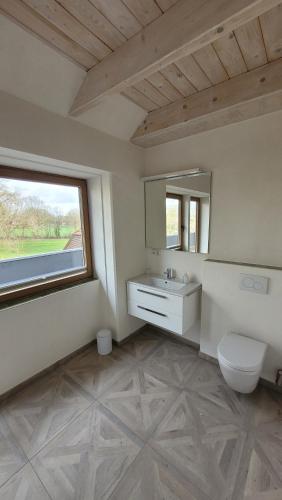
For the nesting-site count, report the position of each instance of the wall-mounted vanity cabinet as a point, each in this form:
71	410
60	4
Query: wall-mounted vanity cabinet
168	304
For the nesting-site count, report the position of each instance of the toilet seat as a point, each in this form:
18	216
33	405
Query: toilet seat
241	353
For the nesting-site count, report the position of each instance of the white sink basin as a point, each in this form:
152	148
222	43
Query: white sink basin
165	284
174	287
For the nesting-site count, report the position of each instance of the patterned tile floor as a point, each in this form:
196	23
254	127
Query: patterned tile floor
152	421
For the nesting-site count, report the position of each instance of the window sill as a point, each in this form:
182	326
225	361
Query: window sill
44	293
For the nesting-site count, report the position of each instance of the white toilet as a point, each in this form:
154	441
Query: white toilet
241	360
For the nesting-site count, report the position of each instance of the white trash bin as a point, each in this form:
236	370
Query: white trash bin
104	341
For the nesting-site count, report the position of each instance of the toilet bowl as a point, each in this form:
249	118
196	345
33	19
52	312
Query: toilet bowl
241	361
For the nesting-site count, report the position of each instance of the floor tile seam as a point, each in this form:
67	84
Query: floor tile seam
278	480
13	474
174	467
65	368
95	396
17	443
240	427
174	387
131	466
148	354
174	358
90	398
41	482
14	440
155	427
122	424
163	379
151	433
78	390
154	349
59	432
102	394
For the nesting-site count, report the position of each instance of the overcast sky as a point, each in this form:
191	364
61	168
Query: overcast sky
63	198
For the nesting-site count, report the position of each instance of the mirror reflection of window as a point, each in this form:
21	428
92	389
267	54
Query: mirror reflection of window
178	213
173	221
194	222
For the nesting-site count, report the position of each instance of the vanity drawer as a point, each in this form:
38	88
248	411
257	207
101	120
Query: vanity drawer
158	300
163	319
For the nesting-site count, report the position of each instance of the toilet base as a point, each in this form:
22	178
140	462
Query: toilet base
240	381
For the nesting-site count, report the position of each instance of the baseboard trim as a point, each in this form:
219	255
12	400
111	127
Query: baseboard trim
270	385
171	336
133	334
19	387
207	357
45	371
177	338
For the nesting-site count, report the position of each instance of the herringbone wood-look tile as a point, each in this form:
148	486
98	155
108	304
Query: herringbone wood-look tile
143	344
260	473
96	373
151	477
140	400
177	439
205	442
39	412
24	485
173	362
88	458
11	456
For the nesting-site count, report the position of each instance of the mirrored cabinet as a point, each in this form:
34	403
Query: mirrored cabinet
178	212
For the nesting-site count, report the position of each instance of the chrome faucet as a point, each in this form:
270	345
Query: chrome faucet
166	274
169	273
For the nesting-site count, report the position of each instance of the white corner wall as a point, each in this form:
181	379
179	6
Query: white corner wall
245	160
246	207
35	334
246	201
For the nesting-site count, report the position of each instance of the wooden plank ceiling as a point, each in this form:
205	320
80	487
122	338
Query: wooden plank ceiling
87	31
248	47
84	30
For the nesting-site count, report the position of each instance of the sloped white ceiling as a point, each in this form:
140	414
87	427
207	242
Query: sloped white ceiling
33	71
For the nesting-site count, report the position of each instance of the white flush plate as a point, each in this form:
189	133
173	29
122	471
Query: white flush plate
253	283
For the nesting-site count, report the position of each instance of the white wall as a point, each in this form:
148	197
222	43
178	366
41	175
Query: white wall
245	160
129	231
31	129
182	262
32	70
36	334
246	208
48	140
247	177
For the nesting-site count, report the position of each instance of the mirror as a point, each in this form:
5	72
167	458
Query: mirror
178	212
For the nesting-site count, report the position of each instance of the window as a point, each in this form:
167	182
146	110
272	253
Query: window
44	232
194	220
173	221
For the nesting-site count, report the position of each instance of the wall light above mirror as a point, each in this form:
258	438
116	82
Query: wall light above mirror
178	211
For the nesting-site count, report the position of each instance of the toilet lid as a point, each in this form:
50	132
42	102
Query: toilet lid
241	353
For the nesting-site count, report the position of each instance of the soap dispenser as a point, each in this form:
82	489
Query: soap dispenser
185	278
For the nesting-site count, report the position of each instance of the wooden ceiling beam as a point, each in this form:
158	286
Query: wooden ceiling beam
245	96
183	29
